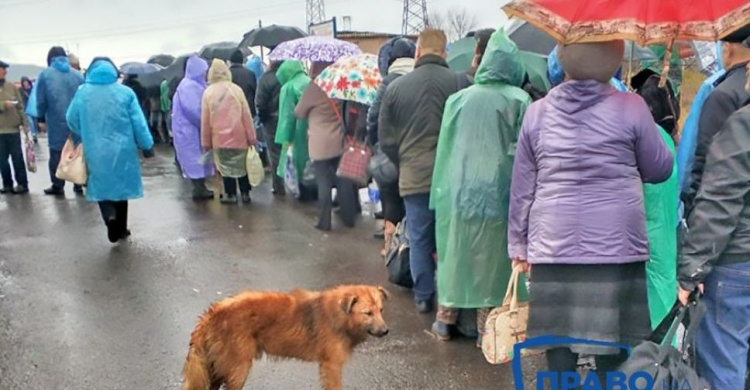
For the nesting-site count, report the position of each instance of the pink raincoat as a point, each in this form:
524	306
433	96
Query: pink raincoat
226	122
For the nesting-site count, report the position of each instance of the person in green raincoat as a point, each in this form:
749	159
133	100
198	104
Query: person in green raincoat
292	131
471	186
661	202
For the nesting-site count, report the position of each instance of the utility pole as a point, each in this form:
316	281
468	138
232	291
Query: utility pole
415	17
316	12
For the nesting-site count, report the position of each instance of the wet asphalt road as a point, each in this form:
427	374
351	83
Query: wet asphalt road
79	313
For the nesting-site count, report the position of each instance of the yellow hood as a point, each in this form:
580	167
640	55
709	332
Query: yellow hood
219	72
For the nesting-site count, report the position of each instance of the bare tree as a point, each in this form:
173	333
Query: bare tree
461	22
437	21
456	22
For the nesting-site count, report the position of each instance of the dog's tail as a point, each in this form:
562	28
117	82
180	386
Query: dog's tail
195	371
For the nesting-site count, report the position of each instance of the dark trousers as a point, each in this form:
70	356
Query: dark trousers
117	212
393	203
420	228
564	360
10	147
54	161
230	185
325	175
274	151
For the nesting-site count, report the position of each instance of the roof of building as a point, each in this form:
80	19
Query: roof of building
368	34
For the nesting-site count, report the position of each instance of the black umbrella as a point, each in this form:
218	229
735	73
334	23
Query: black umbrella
221	50
529	38
173	74
161	59
271	36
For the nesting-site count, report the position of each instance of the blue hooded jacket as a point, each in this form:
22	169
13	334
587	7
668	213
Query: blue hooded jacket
54	91
255	65
110	122
689	136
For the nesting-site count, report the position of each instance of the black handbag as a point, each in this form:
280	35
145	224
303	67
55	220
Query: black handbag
667	366
382	169
397	258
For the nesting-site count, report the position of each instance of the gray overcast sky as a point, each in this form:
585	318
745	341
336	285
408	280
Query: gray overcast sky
132	30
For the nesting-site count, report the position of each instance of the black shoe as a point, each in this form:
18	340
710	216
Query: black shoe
78	189
228	199
112	235
54	191
379	215
379	234
20	190
322	228
125	234
203	195
6	190
246	199
424	307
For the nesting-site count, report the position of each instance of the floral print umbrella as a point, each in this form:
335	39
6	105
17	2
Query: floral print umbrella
354	78
315	49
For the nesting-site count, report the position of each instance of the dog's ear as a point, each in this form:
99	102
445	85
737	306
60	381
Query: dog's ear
385	293
347	303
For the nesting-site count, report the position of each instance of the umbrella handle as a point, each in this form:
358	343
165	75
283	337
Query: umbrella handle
666	64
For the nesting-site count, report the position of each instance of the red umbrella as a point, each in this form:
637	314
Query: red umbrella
643	21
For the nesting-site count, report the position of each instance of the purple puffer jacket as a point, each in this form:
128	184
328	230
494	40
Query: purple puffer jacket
577	194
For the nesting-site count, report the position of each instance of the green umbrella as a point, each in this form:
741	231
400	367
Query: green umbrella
536	68
460	54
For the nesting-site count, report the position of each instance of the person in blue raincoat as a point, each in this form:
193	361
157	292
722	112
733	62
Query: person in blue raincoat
255	65
108	118
689	135
55	90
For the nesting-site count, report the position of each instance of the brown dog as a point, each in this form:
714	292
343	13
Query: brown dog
321	327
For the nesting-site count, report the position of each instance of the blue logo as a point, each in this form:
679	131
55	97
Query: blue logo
572	380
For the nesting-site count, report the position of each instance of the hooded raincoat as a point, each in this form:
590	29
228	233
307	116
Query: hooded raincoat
292	131
226	123
110	122
186	120
55	89
471	180
661	221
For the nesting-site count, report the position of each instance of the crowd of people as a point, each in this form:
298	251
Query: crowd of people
580	188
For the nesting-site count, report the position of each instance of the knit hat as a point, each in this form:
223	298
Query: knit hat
591	61
55	51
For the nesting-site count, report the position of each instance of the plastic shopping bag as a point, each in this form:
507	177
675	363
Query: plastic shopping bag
254	167
290	175
30	155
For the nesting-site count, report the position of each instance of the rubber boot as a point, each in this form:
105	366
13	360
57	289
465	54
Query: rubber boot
200	191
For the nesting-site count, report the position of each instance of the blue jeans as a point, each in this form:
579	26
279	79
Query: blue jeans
723	337
420	227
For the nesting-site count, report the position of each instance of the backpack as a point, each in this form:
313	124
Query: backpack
397	258
656	356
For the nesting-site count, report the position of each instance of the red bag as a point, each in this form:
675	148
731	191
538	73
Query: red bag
356	157
354	162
